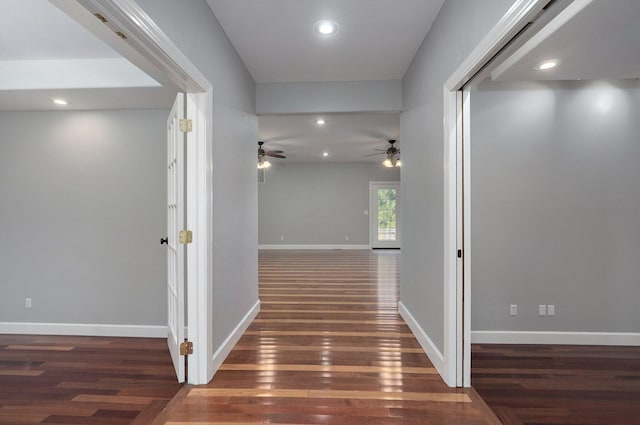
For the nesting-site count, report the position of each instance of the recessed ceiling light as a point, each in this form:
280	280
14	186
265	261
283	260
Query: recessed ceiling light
320	121
325	153
60	101
547	65
326	27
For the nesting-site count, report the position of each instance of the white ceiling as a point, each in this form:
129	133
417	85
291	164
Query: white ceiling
36	29
346	137
45	53
377	39
590	39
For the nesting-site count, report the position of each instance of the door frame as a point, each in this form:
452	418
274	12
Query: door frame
151	50
373	207
457	190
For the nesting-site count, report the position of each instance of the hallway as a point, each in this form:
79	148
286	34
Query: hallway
328	347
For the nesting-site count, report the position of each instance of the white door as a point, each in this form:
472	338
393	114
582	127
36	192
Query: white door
175	223
384	198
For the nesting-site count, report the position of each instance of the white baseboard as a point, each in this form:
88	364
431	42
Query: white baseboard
225	348
568	338
81	329
283	246
427	345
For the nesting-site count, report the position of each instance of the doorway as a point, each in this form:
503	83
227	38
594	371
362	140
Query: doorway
384	218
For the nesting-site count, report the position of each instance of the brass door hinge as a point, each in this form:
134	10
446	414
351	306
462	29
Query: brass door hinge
186	348
186	125
186	236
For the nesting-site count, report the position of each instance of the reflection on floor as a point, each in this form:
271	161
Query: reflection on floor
84	380
328	347
556	384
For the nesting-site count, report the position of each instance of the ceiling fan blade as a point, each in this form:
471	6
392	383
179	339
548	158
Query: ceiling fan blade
275	155
373	154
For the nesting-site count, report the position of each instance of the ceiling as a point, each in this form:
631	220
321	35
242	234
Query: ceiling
44	54
377	39
36	29
589	39
346	137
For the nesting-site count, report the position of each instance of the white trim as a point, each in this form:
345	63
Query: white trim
83	329
309	246
147	39
158	55
516	18
568	338
465	328
199	211
547	31
225	348
427	345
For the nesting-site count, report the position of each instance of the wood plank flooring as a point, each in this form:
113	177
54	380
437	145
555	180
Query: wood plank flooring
328	347
83	380
556	384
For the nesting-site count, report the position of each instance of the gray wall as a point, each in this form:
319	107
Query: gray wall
83	207
192	26
329	96
459	27
318	203
556	205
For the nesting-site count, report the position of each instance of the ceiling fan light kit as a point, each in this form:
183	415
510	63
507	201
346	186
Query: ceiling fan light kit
393	155
262	154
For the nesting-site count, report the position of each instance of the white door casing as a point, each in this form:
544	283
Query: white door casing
175	223
149	48
383	238
456	370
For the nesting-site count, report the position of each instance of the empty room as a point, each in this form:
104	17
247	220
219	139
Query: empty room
341	212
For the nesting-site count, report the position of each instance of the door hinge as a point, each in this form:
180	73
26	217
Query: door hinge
186	348
186	236
186	125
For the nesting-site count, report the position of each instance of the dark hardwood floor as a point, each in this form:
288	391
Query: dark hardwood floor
328	347
83	380
556	384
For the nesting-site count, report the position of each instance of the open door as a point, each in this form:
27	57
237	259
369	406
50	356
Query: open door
175	223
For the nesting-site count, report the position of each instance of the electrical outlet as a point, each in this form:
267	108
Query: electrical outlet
551	310
542	310
281	238
27	302
513	309
346	238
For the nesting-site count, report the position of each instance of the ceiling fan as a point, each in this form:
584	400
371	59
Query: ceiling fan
393	155
262	154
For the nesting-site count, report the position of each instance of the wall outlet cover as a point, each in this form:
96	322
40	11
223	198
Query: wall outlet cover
513	309
542	310
551	310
